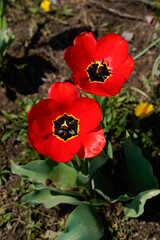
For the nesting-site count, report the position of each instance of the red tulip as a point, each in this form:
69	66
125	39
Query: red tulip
100	67
65	124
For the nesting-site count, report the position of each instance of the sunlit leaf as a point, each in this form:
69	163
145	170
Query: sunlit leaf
64	177
36	171
48	198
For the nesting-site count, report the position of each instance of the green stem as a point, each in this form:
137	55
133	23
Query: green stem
78	161
146	49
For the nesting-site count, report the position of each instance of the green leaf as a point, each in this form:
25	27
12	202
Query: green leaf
139	170
8	134
6	39
83	223
97	162
49	198
36	171
3	7
84	181
8	116
97	202
101	101
121	198
64	177
136	207
110	150
39	186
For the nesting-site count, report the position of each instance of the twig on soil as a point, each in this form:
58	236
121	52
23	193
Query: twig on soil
142	1
115	11
146	2
146	49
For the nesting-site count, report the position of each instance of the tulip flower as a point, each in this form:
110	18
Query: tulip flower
65	124
99	67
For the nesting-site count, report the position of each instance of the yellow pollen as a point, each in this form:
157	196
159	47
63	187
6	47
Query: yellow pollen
99	68
64	125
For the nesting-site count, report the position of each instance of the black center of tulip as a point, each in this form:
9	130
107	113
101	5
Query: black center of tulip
98	72
66	127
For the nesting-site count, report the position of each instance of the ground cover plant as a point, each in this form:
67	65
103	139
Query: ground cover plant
109	187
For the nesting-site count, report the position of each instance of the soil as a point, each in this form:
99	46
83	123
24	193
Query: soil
34	62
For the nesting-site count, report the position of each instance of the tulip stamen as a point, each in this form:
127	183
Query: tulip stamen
65	127
98	72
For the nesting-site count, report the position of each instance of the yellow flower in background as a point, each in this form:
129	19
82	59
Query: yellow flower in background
143	109
45	5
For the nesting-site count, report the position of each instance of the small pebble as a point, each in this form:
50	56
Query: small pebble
128	36
149	19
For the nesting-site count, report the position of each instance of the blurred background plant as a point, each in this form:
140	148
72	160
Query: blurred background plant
6	36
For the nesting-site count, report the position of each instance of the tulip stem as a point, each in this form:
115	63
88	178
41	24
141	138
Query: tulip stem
78	161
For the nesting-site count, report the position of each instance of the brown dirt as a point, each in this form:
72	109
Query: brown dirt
35	61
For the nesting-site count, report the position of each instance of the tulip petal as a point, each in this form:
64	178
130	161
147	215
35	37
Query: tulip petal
76	60
111	87
126	68
61	151
36	142
64	93
87	42
42	127
92	143
89	113
46	108
113	49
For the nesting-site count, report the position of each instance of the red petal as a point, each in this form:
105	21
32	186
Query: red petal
88	112
76	60
42	126
113	49
87	42
46	108
110	88
93	143
61	151
64	93
36	142
126	68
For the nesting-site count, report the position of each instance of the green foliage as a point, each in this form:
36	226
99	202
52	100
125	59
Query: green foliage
136	207
49	198
139	170
3	172
83	223
36	171
97	163
149	83
117	110
64	177
139	175
6	36
64	11
84	182
18	123
4	217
